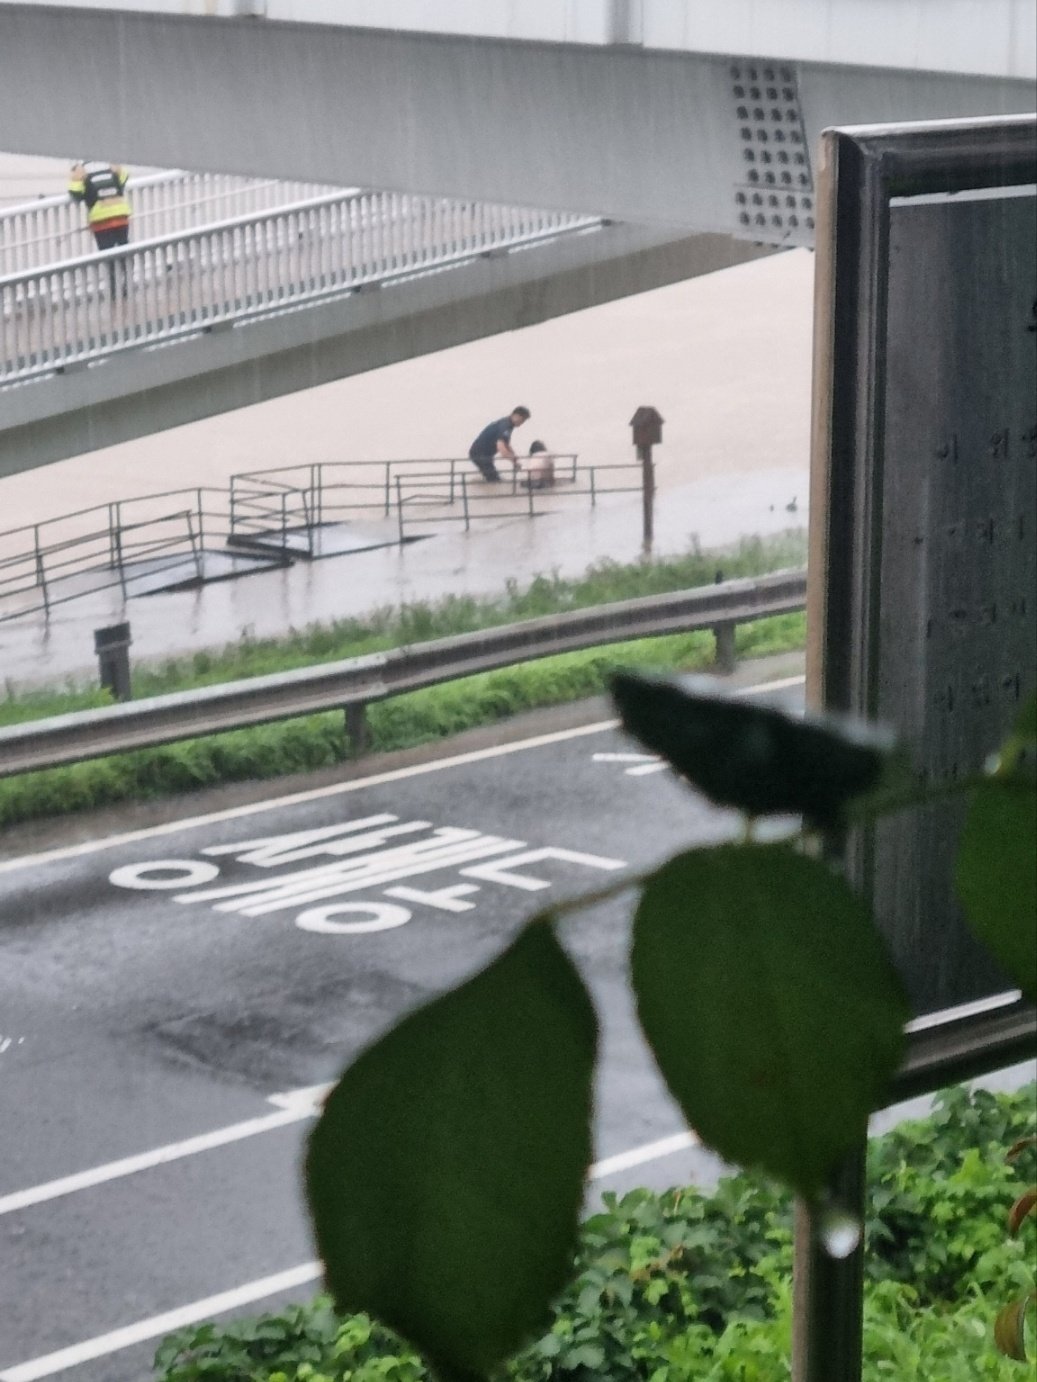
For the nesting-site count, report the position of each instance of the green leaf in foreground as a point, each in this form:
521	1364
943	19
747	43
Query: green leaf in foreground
756	758
769	1001
996	876
446	1174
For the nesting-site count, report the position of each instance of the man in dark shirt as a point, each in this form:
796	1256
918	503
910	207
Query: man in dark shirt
495	440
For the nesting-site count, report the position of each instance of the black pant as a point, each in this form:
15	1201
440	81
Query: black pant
486	466
112	239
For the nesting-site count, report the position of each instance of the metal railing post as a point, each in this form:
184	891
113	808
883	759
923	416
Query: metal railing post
388	482
195	547
399	509
464	497
41	567
201	518
116	535
594	493
828	1282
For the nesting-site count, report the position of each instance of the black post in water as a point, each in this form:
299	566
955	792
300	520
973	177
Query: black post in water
647	423
112	646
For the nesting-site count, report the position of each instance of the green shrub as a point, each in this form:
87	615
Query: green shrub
691	1285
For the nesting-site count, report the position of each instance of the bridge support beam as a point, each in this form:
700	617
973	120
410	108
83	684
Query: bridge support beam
642	135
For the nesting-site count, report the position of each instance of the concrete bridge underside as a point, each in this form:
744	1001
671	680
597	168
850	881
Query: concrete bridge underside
645	136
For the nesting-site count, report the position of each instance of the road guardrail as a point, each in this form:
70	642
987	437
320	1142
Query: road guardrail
353	684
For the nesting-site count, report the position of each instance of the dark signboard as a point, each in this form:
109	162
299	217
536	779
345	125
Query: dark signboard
923	598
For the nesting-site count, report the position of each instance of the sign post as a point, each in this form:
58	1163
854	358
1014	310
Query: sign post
647	424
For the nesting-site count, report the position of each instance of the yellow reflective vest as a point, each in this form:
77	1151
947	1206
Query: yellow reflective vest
101	188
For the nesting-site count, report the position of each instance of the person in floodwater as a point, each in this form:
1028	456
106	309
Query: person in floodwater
540	467
495	440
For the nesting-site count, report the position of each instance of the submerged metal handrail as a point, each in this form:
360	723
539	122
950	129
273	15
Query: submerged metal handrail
61	559
39	232
276	512
72	313
359	681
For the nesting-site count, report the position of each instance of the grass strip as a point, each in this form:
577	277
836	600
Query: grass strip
317	741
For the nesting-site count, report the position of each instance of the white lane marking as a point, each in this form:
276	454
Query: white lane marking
637	1156
310	1100
340	788
104	1344
143	1330
645	762
292	1108
623	757
298	798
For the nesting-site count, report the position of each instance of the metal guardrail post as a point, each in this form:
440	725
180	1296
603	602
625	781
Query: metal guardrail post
453	468
399	509
726	655
464	498
388	483
594	494
358	731
201	518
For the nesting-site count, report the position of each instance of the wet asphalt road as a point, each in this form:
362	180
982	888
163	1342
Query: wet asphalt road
163	988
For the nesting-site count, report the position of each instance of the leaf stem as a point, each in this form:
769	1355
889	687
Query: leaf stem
603	894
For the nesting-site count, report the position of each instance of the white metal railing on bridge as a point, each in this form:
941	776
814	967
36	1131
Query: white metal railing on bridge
69	314
40	232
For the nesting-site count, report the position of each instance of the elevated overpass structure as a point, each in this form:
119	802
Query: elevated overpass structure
682	129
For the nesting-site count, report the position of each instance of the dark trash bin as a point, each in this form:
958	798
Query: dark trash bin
112	646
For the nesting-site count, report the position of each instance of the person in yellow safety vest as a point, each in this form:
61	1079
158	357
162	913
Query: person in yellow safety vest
101	187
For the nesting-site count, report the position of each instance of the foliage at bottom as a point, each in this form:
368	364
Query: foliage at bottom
695	1285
